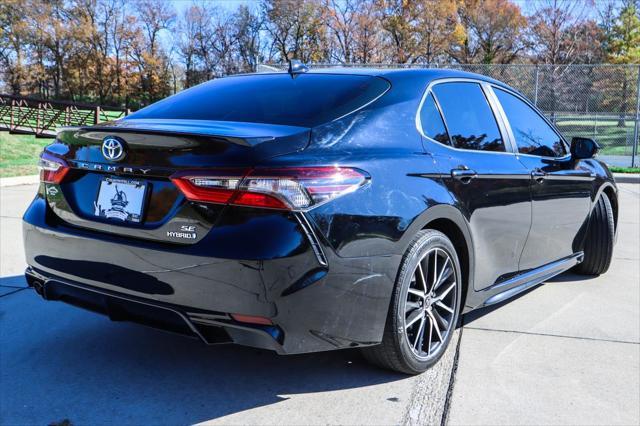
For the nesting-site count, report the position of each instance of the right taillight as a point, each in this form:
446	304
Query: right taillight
296	188
52	169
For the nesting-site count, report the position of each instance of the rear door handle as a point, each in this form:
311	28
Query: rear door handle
464	175
538	175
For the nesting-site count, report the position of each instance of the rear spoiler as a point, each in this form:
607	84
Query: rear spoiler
248	134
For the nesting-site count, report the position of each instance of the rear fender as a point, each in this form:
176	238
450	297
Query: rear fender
453	215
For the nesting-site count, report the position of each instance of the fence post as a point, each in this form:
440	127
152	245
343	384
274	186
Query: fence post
96	115
636	135
38	118
535	90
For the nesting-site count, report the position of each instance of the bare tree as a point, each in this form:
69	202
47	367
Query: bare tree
400	19
367	38
147	52
419	31
186	44
553	30
248	26
296	30
492	32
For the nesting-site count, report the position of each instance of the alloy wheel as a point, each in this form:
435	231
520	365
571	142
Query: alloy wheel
429	308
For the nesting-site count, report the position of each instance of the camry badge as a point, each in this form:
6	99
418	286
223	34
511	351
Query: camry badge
112	149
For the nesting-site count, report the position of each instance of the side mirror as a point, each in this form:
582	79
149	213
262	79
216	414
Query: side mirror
583	148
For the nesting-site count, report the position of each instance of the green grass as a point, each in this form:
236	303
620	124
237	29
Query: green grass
616	169
613	139
19	154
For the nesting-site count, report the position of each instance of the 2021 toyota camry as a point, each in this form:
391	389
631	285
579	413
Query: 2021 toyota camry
310	211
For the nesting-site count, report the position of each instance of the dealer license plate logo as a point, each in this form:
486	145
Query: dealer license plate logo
120	199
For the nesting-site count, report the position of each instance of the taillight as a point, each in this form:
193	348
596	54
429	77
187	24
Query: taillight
52	169
199	186
298	188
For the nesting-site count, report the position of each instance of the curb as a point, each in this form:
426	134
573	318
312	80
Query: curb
19	180
626	177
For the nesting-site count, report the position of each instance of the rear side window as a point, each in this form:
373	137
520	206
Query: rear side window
533	135
469	117
431	121
307	100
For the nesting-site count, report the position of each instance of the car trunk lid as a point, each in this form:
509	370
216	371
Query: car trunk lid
96	191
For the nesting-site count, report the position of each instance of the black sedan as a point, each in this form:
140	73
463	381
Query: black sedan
310	211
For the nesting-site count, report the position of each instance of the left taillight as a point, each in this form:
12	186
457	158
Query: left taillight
295	188
52	169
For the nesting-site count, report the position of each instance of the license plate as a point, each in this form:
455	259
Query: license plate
120	199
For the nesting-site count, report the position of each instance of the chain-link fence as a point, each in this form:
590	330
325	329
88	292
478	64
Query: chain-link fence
597	101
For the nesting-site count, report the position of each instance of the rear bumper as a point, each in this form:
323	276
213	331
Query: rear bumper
210	327
314	305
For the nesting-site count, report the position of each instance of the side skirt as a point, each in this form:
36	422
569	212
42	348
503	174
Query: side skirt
513	286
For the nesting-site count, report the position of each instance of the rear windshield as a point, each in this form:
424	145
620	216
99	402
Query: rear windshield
307	100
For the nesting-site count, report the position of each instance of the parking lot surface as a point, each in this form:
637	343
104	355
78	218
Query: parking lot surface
565	352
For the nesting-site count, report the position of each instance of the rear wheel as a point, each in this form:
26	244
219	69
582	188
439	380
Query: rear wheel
598	247
424	308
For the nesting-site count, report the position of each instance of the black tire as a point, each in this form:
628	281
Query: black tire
598	246
395	352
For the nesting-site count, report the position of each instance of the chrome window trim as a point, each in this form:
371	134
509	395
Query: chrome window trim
444	121
501	117
540	114
507	143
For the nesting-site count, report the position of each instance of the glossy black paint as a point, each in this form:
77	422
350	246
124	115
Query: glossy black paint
324	276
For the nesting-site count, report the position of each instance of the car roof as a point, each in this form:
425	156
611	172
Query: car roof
426	75
421	76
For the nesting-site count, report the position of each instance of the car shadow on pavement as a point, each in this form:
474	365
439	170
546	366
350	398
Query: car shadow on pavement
565	277
59	362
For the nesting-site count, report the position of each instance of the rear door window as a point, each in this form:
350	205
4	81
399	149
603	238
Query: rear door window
533	135
307	100
431	121
469	117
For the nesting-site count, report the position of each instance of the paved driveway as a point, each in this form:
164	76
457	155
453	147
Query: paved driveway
566	352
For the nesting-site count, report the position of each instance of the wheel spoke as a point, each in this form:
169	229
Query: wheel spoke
410	306
441	276
435	326
417	292
419	334
413	317
421	275
439	304
443	322
447	291
435	270
430	336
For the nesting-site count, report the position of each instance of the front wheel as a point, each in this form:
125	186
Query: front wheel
598	247
424	307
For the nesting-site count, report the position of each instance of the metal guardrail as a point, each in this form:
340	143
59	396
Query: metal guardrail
24	115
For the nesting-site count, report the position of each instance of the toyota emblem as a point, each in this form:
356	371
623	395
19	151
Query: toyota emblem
112	149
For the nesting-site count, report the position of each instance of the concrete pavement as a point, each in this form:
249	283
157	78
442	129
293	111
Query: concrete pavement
567	352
